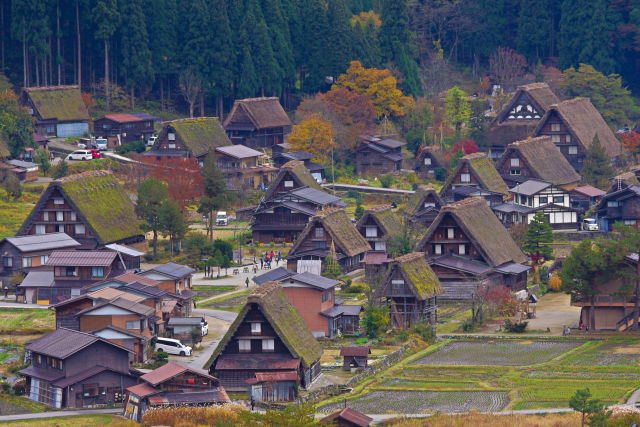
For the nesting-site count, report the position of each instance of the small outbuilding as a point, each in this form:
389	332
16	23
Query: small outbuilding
347	417
355	357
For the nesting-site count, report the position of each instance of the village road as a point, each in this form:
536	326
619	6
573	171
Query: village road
56	414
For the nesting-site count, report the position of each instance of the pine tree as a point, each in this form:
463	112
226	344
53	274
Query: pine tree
340	49
280	38
248	85
151	194
197	55
539	234
172	223
315	43
397	45
136	56
161	28
106	18
222	64
534	29
596	168
256	36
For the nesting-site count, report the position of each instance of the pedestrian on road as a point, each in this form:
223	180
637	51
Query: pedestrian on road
247	281
253	403
261	263
255	261
194	304
568	331
6	291
255	268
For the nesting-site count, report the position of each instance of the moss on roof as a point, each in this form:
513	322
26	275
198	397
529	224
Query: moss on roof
300	174
59	102
103	203
415	203
200	135
484	170
385	217
284	319
419	275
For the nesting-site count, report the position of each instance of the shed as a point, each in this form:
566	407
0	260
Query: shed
355	357
347	417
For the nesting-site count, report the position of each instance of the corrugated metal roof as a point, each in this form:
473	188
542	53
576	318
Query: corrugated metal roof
172	269
262	377
146	289
512	268
144	116
297	155
459	263
124	249
110	293
315	196
133	278
355	351
343	310
589	191
530	187
186	321
390	143
314	280
123	118
38	279
64	342
275	275
142	390
239	151
42	242
348	414
81	258
170	370
22	164
44	374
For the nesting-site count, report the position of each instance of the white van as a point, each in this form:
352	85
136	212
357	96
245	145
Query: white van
171	346
101	144
590	224
80	155
221	218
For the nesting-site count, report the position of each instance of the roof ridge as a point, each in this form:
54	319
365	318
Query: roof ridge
469	201
87	174
475	155
291	164
530	139
259	98
534	85
408	257
328	211
62	87
378	208
185	119
575	100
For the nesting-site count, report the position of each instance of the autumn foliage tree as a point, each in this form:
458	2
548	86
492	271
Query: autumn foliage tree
380	86
356	112
469	146
631	141
314	135
182	176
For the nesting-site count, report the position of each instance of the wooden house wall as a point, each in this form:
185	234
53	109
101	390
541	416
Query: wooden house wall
98	353
380	235
113	383
427	170
181	383
456	181
134	131
66	315
564	139
523	170
440	237
90	322
266	331
370	162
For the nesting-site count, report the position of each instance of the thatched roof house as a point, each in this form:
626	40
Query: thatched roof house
425	198
293	347
475	170
97	211
59	110
257	122
520	116
294	171
537	158
384	218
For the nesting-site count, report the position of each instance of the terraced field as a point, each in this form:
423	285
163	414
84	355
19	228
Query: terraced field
456	376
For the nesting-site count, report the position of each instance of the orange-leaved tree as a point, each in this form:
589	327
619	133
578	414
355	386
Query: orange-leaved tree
631	141
380	86
314	135
182	177
356	112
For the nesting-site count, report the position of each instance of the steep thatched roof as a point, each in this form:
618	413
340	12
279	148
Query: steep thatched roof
584	122
484	170
624	180
415	203
482	226
345	235
101	200
541	94
200	135
284	319
262	112
58	102
300	174
417	274
385	217
437	153
544	159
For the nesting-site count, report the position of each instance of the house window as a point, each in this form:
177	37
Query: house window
558	199
70	271
26	262
60	364
324	296
514	172
630	222
72	216
133	324
244	345
429	205
613	204
58	201
397	284
515	162
51	129
427	161
573	149
380	246
451	233
40	229
462	250
567	138
288	184
7	261
267	345
372	231
256	327
79	229
319	232
465	177
437	249
59	216
171	136
319	244
555	139
60	228
44	259
97	271
172	145
555	127
523	200
45	216
543	200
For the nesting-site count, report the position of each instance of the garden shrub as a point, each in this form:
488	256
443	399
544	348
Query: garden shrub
468	326
403	335
355	288
376	320
34	188
517	328
425	332
440	173
386	180
360	341
555	283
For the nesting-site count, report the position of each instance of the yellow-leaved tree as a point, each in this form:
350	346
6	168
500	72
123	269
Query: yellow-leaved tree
314	135
380	86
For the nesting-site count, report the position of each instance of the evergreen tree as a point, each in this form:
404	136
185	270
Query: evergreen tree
534	29
105	20
397	45
16	125
151	195
216	194
490	19
332	268
172	222
280	38
596	168
340	49
222	64
136	56
291	14
161	28
315	39
197	55
539	234
249	84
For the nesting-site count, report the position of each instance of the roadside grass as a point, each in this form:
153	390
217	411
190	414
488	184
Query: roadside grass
214	288
14	212
25	403
453	323
78	421
229	297
38	320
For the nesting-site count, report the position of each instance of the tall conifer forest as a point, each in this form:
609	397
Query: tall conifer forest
226	49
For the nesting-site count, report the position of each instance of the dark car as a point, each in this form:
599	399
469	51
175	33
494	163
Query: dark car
95	153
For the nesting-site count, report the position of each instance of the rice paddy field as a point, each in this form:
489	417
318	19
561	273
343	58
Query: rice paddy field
499	374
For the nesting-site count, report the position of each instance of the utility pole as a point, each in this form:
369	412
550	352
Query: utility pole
333	171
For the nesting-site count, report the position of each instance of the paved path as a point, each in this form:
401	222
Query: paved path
227	316
634	398
11	303
55	414
204	355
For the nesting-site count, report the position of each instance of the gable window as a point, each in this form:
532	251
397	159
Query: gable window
427	161
555	127
397	284
465	177
72	216
543	200
380	246
567	138
515	162
372	231
40	229
7	261
514	172
462	250
613	204
44	259
558	199
132	324
429	205
171	136
256	328
45	216
59	216
555	139
79	229
58	201
97	271
288	184
26	262
319	232
267	345
437	249
70	271
573	149
172	145
451	233
244	345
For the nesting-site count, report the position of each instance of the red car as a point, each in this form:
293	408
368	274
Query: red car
95	153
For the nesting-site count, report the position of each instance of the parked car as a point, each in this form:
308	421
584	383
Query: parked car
590	224
80	155
101	144
151	140
171	346
221	218
95	153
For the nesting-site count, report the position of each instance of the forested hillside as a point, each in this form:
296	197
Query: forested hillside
209	52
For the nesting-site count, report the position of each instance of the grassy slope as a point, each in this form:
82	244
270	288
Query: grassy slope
13	213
